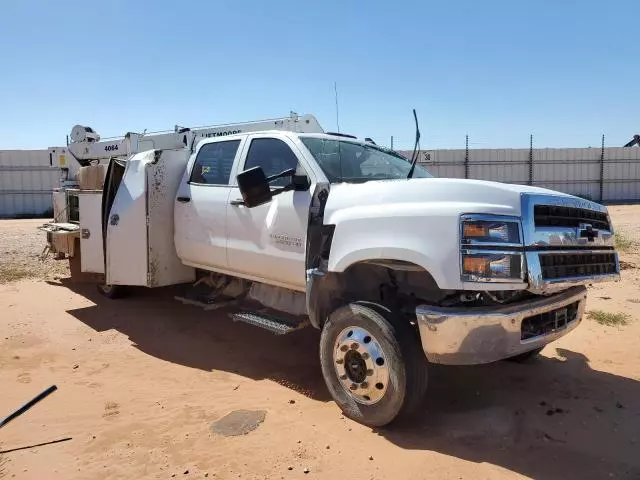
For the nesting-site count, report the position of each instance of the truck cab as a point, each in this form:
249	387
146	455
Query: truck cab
216	231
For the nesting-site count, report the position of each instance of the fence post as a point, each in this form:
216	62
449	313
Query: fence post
602	170
530	159
466	158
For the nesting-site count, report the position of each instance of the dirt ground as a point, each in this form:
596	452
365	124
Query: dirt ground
141	380
21	252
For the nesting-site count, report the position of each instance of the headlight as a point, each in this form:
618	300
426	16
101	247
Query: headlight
489	231
491	266
491	249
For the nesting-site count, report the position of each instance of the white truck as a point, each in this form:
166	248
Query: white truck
287	228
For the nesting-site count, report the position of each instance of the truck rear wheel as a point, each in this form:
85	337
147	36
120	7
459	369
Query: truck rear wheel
373	364
112	291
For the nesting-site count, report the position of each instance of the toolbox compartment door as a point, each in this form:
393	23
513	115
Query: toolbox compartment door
126	239
139	224
91	251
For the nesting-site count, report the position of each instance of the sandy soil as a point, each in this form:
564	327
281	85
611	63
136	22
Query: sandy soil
142	379
21	252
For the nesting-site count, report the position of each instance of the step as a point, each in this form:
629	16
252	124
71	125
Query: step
277	325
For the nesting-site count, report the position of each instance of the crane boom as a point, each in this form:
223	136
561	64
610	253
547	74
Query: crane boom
86	146
634	141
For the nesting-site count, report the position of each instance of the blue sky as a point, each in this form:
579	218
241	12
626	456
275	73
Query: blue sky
565	71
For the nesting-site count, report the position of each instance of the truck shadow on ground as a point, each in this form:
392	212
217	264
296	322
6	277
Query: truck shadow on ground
553	418
187	335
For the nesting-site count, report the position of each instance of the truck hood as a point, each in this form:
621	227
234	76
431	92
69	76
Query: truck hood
446	194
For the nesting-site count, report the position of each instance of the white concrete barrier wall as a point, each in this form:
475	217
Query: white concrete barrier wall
26	182
27	177
612	175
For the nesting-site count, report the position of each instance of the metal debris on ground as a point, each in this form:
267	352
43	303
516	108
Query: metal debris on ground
28	405
238	422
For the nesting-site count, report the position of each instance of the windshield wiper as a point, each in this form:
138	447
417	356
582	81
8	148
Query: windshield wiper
416	151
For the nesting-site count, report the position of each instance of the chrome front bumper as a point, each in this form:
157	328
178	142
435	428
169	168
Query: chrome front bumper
468	336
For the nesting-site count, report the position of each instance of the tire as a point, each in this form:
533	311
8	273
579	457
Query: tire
526	356
400	377
112	291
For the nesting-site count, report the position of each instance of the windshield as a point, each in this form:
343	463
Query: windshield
344	161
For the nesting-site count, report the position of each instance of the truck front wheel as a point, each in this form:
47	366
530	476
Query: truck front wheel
373	364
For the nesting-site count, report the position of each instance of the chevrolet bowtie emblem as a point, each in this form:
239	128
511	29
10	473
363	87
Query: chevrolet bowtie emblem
587	231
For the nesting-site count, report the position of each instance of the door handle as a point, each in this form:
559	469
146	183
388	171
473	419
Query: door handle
184	199
237	202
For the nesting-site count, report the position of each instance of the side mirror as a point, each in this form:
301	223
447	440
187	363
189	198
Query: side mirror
254	186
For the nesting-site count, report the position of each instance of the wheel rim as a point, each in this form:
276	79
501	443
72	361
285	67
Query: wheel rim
361	365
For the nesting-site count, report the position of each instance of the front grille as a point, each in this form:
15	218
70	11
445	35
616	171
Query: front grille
556	216
563	265
548	322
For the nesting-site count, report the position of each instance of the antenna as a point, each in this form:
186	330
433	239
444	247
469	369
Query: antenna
335	89
416	147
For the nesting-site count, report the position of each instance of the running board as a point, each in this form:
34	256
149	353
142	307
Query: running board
207	306
277	325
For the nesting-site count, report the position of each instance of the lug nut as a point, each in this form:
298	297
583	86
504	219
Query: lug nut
364	385
365	356
354	346
340	361
343	377
344	348
353	386
369	372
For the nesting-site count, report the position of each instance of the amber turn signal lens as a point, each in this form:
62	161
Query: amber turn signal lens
470	230
476	265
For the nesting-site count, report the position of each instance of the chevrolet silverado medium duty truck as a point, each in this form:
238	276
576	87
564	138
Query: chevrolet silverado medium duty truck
286	229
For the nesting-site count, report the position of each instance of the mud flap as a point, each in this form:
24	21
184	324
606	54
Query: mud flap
314	277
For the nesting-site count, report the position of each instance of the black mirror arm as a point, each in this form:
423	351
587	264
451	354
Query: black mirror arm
278	191
285	173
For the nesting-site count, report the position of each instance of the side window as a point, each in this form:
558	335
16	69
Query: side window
214	162
274	156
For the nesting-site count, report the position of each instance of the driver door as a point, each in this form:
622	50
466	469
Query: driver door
201	205
267	242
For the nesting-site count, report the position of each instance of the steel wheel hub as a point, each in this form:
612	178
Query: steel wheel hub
361	365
